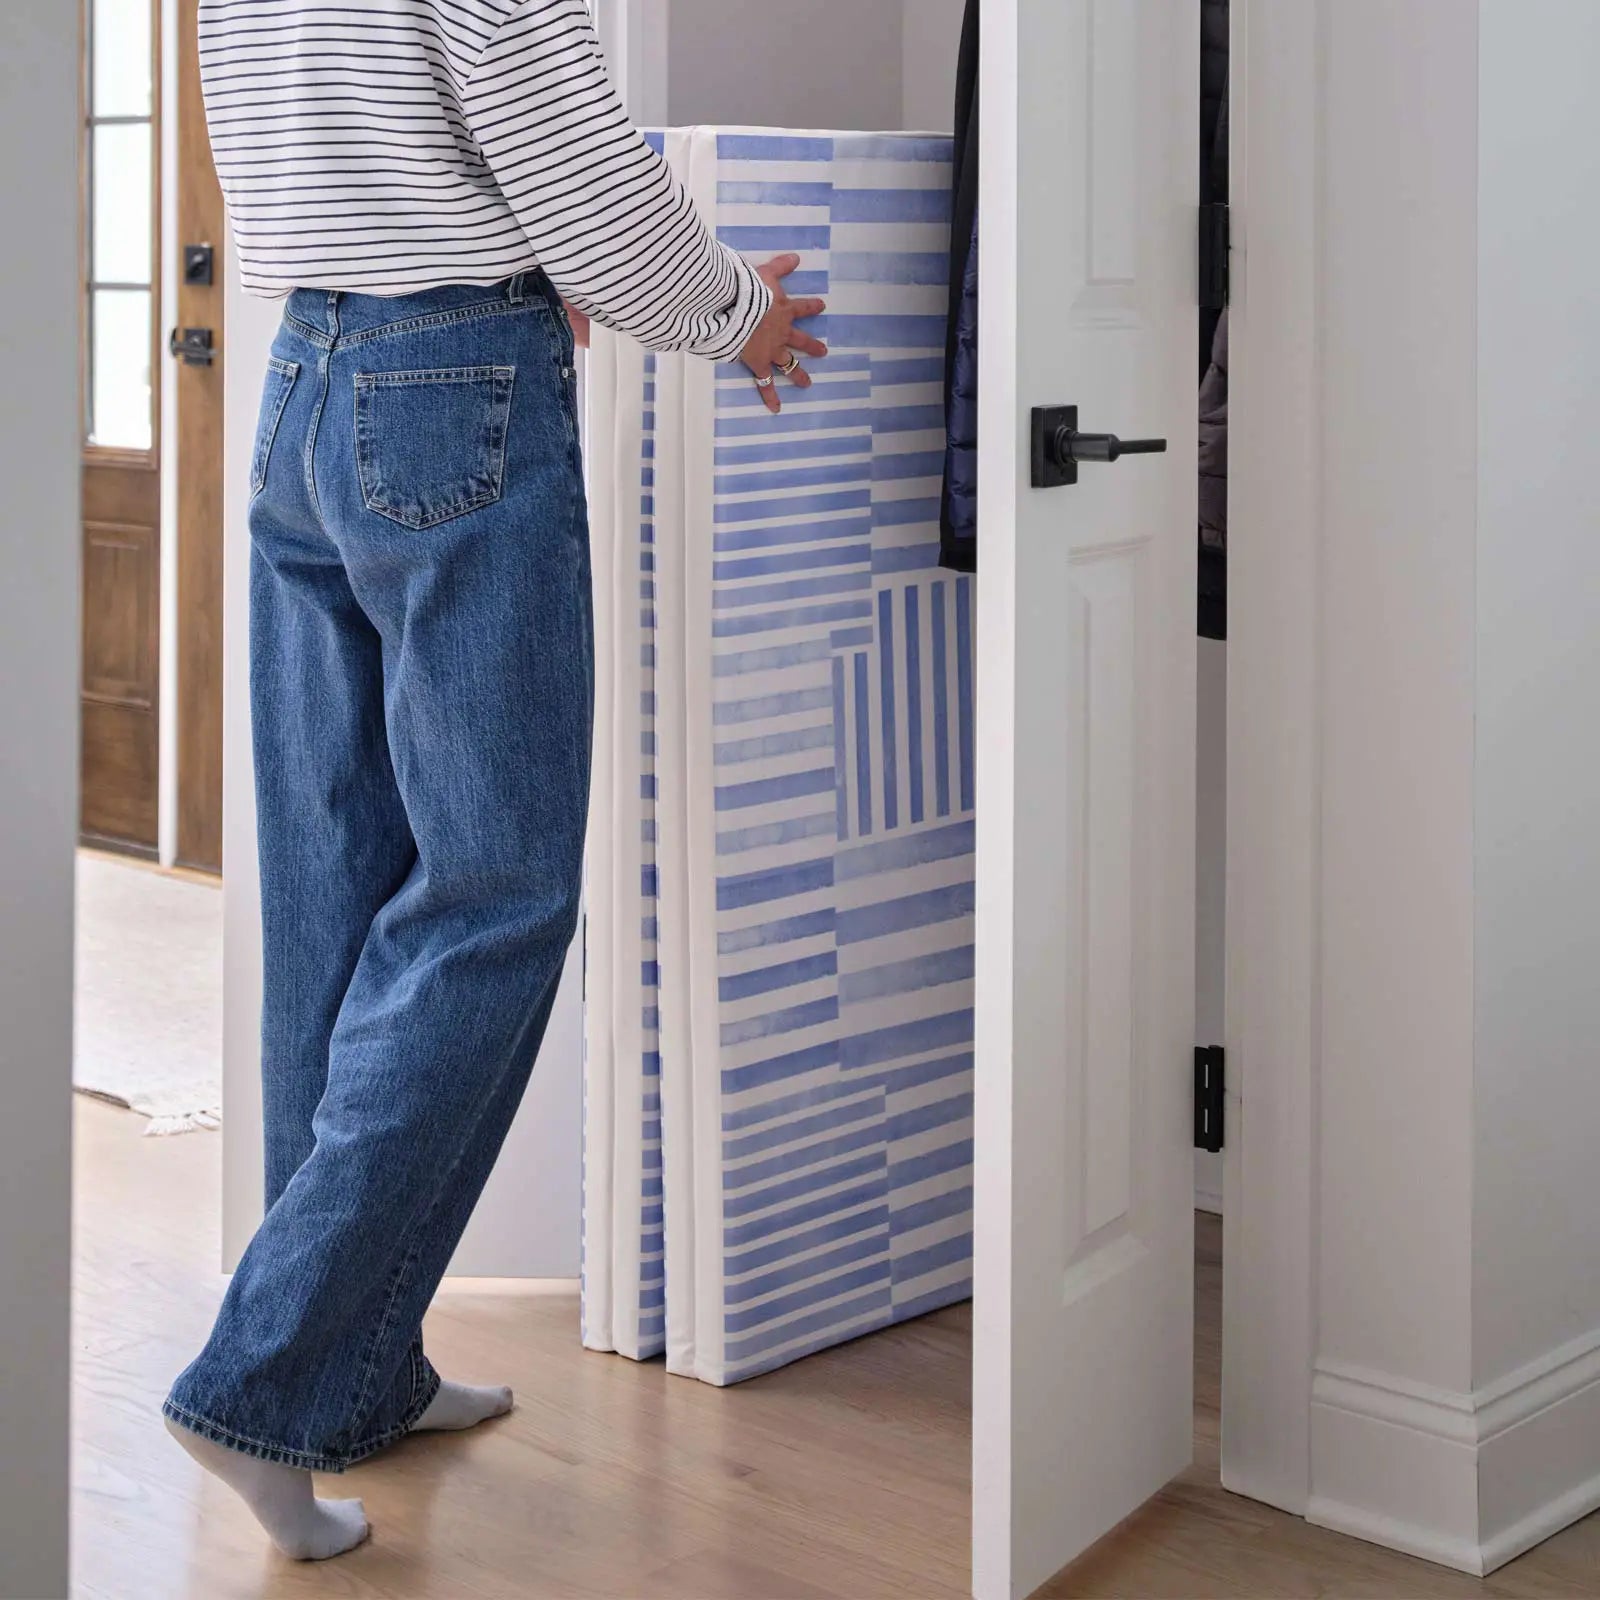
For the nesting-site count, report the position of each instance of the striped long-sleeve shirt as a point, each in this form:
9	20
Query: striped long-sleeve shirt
389	146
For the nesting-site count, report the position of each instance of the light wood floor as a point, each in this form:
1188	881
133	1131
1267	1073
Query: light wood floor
843	1478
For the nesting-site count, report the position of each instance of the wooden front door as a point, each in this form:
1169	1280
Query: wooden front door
121	462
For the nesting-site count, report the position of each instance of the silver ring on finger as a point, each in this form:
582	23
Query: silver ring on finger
764	383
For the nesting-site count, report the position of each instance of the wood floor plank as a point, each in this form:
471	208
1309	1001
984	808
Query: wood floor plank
842	1478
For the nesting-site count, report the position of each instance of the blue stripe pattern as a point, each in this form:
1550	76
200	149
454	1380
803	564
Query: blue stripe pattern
651	1288
844	977
838	794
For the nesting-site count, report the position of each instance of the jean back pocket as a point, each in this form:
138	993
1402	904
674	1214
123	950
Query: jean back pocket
432	445
274	397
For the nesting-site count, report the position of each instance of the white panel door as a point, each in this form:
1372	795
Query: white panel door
1085	1178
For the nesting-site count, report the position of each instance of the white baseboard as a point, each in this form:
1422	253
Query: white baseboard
1469	1481
1539	1455
1393	1462
1410	1538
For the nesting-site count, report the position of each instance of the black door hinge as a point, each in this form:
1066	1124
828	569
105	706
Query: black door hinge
1208	1097
1214	246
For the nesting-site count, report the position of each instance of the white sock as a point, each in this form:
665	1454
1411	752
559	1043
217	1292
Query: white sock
462	1405
302	1526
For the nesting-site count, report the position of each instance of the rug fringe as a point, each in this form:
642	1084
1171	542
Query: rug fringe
182	1122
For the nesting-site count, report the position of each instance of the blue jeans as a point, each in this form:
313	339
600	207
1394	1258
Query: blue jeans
421	696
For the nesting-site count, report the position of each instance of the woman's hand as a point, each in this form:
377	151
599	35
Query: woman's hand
776	346
580	326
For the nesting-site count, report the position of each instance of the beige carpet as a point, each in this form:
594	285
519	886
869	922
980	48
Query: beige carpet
148	1006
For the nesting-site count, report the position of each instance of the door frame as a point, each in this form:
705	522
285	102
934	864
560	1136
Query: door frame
1274	891
142	466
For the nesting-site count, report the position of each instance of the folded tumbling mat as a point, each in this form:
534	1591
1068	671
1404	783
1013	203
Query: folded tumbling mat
778	1108
623	1268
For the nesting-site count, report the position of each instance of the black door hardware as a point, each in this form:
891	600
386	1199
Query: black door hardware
1214	231
1209	1096
192	346
198	264
1058	447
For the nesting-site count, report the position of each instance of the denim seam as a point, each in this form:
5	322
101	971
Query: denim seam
417	1221
369	1365
441	319
308	1460
288	372
317	336
325	371
431	375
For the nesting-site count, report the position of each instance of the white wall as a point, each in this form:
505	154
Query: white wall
808	64
802	64
251	324
1535	1258
40	537
931	37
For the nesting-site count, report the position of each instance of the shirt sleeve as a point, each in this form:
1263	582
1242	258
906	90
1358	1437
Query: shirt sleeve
602	211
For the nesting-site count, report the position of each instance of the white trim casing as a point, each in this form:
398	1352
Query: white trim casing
1273	894
167	294
996	1203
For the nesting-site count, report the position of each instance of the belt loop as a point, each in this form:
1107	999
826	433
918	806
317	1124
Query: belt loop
333	313
517	288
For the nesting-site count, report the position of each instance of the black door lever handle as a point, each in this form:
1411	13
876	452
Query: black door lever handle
1058	446
192	346
1070	446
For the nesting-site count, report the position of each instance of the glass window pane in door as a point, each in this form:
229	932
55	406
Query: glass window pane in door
121	43
120	402
120	172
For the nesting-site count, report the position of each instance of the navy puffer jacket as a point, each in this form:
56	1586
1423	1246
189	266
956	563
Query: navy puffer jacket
958	518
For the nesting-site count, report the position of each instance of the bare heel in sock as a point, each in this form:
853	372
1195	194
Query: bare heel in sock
281	1499
463	1405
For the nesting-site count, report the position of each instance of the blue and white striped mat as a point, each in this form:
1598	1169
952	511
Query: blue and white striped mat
804	804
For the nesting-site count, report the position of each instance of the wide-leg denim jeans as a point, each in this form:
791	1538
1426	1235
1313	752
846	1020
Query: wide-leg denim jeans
421	699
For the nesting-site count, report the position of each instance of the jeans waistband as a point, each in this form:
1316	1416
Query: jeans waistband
338	313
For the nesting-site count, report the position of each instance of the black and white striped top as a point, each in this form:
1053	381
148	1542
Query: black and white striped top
388	146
